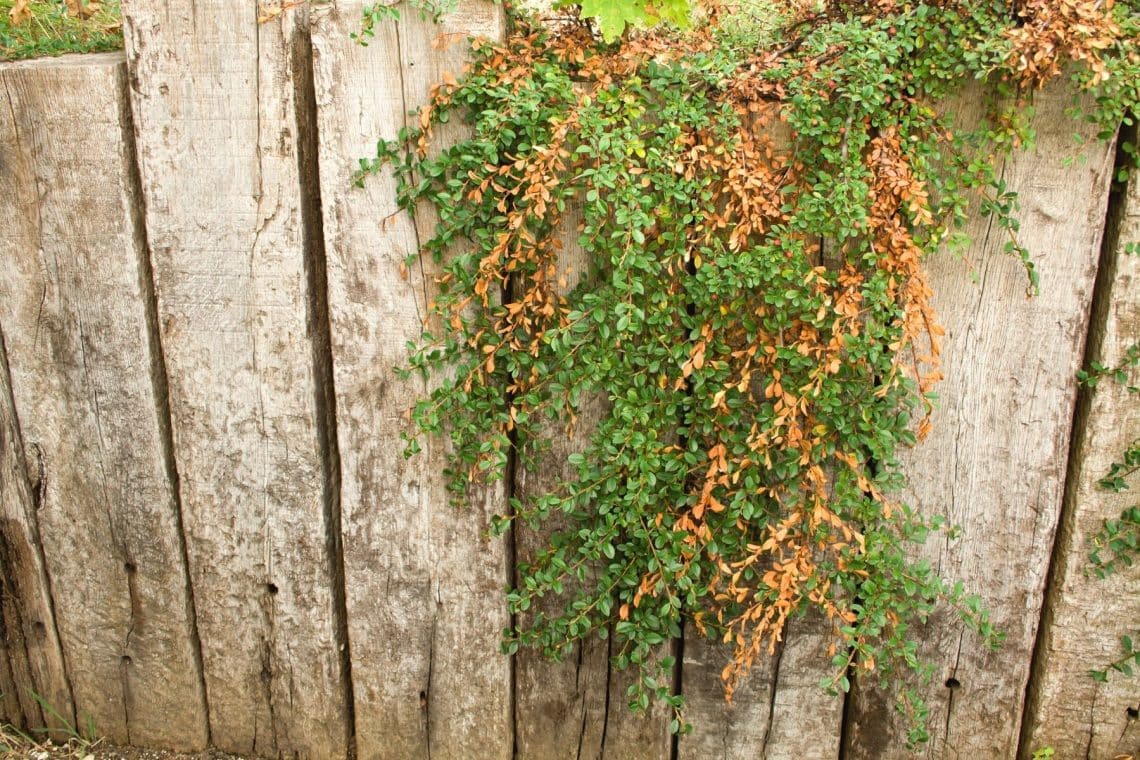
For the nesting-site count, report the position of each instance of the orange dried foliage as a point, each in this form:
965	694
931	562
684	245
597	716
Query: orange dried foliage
19	13
1054	32
901	203
751	178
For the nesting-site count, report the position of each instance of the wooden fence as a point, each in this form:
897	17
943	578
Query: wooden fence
208	533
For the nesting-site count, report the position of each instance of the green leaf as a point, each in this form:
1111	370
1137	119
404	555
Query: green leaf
613	16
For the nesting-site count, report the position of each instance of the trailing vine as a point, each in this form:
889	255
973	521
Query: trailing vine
756	201
1116	545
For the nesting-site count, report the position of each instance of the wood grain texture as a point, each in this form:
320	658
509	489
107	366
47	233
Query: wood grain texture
806	720
424	580
1085	616
725	731
576	708
10	711
218	123
31	658
641	735
74	301
778	711
560	707
995	461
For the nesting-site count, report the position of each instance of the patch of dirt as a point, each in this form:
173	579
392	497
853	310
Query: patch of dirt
101	751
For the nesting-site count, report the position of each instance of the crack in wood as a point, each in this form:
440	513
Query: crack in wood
426	697
320	338
585	712
779	656
125	659
606	705
160	387
35	480
267	674
950	698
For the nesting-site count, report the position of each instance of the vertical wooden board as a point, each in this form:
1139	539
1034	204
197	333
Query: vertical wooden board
641	735
778	711
427	51
424	581
218	122
576	708
385	501
1086	615
720	730
806	720
560	707
995	461
31	659
74	302
806	723
725	731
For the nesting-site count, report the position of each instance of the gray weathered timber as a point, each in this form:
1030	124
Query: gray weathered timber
1085	615
641	735
31	659
74	300
725	731
560	707
995	461
778	710
424	581
578	707
218	122
806	720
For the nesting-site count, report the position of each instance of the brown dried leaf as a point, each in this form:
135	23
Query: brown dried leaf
83	10
19	13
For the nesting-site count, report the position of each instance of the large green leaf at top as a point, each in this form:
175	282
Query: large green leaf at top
613	16
676	12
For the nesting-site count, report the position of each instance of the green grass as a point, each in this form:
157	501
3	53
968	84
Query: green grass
51	30
17	745
70	742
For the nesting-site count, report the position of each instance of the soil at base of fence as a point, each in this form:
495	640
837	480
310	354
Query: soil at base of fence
110	752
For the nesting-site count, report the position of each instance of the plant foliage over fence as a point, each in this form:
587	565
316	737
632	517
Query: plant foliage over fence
758	190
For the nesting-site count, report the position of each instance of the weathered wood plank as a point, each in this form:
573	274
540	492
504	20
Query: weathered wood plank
725	731
576	708
218	123
31	659
1085	616
629	735
560	707
779	709
10	712
995	462
806	720
74	300
424	581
